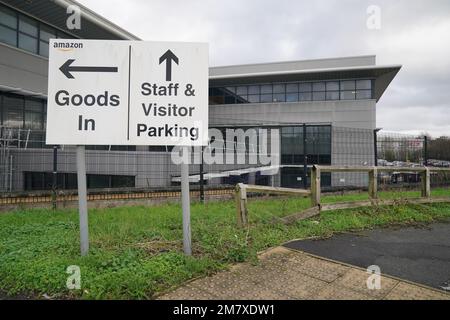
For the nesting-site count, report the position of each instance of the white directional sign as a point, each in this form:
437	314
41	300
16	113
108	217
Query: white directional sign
127	93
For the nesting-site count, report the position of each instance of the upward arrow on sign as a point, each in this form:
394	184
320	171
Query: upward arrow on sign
169	56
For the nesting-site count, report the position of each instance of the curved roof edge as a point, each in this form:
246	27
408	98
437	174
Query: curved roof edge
54	13
308	70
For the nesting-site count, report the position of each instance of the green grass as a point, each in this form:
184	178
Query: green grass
136	252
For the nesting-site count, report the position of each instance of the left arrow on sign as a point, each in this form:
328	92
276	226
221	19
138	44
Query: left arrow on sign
67	69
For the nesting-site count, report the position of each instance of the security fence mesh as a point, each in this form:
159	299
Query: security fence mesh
28	166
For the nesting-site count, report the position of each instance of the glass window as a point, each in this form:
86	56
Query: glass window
319	146
241	99
267	88
291	145
34	181
332	95
319	86
28	26
216	91
31	35
291	97
33	105
266	98
348	85
241	90
216	100
43	48
122	182
287	131
364	84
347	95
292	87
27	43
45	114
33	120
305	96
8	17
364	94
279	88
97	181
305	87
229	99
35	139
279	92
8	36
230	89
318	96
332	86
292	177
253	98
12	112
70	180
47	33
279	97
253	90
241	94
216	96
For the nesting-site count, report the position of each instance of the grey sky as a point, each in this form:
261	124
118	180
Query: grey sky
413	33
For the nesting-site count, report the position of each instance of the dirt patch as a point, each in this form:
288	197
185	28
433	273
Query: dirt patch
5	296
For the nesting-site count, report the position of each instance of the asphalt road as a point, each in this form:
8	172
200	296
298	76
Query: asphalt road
420	255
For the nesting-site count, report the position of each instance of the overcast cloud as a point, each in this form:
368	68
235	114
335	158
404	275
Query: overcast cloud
413	33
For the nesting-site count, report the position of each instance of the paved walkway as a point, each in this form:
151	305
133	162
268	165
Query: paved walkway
284	274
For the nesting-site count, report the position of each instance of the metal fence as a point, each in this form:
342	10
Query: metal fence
27	166
397	150
394	147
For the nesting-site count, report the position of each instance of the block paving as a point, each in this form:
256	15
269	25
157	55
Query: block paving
284	274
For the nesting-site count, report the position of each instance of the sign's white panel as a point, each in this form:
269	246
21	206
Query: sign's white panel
105	92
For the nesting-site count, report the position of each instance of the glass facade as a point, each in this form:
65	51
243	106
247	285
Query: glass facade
314	142
22	112
302	146
26	33
361	89
68	181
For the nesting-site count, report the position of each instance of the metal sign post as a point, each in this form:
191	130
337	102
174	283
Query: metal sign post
202	183
82	200
185	203
111	92
54	176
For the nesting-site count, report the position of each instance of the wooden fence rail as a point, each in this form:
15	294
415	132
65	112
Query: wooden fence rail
373	172
315	192
241	197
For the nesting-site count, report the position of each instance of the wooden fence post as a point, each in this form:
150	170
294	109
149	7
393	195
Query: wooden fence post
241	205
373	183
426	185
315	186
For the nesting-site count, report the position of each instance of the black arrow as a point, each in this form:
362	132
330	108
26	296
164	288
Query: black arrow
169	56
67	69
